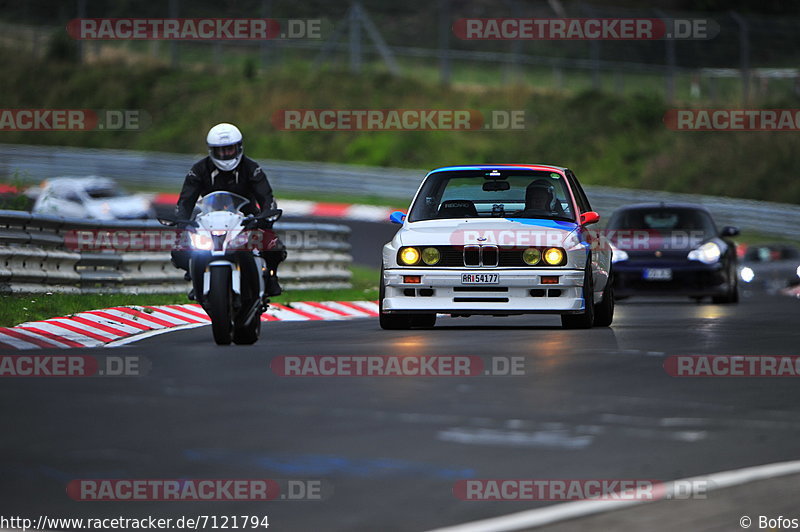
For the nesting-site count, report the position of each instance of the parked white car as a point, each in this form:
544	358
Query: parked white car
92	197
496	240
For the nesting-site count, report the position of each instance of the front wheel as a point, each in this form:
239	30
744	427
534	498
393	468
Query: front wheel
585	319
219	305
604	311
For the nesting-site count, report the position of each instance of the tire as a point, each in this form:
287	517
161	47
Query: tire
247	335
732	296
218	305
390	322
585	319
424	321
604	311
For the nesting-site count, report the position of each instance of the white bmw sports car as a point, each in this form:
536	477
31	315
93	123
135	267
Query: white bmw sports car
497	240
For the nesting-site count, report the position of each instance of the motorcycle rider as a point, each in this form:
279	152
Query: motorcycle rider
227	169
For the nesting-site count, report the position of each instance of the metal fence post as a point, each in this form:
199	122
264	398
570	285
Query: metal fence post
355	39
444	42
744	54
173	45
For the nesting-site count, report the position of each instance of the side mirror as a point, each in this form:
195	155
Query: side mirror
397	217
729	230
590	217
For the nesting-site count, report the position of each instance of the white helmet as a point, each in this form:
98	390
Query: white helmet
225	146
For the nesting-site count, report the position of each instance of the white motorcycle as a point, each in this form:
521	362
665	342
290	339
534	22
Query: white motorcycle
226	270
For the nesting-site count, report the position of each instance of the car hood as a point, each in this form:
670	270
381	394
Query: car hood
501	231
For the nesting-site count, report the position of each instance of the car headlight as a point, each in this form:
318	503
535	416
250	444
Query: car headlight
708	253
798	271
531	256
201	241
553	256
430	256
747	274
409	256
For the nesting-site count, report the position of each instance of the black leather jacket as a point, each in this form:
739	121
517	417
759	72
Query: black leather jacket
247	180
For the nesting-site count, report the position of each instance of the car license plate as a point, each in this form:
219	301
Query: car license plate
658	274
480	278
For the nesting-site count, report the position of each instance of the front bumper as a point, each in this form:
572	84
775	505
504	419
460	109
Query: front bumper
688	279
519	291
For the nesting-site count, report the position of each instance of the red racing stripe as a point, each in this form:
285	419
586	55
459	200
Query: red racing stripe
329	309
100	326
25	338
130	323
55	337
356	307
296	311
144	316
174	315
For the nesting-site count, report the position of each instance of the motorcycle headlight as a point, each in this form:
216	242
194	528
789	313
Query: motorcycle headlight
708	253
553	256
201	241
531	256
798	271
409	256
431	256
747	274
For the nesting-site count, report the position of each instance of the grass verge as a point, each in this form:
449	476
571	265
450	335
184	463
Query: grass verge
17	309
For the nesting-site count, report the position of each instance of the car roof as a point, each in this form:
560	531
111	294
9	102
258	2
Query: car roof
79	182
664	205
502	166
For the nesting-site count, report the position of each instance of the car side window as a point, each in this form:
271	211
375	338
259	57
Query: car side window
580	195
70	195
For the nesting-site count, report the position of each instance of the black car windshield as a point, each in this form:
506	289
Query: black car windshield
664	221
486	194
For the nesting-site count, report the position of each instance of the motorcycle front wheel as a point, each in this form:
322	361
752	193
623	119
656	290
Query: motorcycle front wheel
219	305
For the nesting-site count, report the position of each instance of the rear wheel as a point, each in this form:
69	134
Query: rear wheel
219	305
585	319
604	311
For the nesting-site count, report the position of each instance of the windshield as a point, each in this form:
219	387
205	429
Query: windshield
664	220
221	201
486	194
104	192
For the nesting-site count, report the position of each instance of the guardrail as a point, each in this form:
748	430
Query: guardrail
35	258
160	169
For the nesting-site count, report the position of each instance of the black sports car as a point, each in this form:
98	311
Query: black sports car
672	249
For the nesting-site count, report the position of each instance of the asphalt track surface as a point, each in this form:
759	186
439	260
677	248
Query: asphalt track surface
592	404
